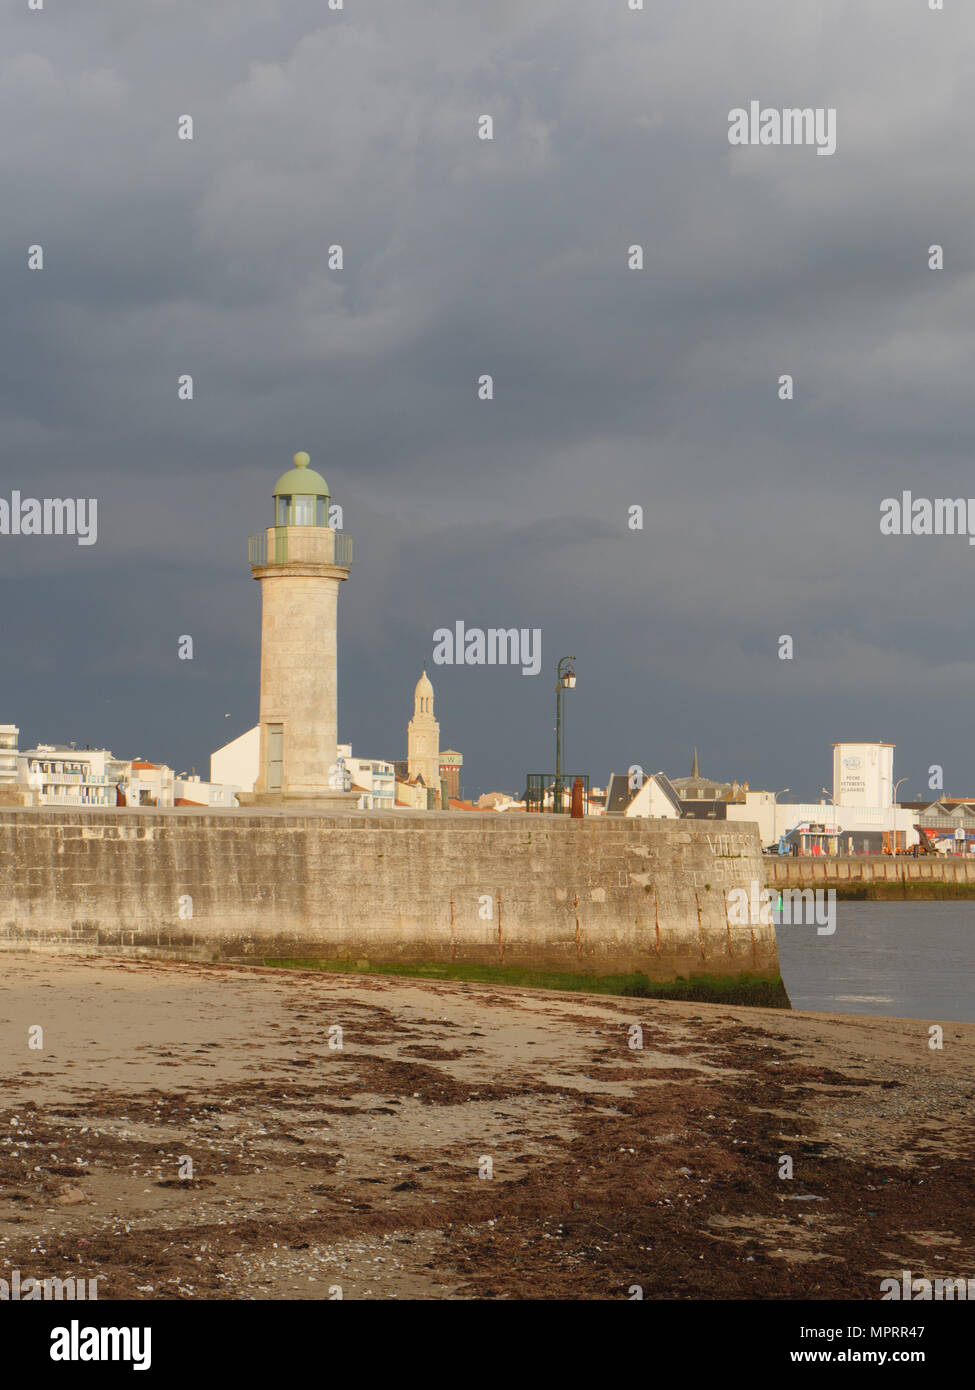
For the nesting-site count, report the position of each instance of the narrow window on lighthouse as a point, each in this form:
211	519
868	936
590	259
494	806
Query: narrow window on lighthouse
303	511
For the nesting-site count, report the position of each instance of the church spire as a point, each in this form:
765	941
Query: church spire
423	695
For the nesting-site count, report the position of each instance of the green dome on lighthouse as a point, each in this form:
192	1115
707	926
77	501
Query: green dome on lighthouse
301	496
301	479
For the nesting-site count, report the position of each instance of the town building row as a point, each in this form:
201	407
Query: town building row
861	816
66	775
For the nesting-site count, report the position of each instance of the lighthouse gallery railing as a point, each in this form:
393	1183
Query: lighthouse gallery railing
259	550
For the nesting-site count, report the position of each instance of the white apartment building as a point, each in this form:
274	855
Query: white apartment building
9	756
377	780
60	775
64	776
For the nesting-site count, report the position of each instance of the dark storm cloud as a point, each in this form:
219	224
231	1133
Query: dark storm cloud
613	387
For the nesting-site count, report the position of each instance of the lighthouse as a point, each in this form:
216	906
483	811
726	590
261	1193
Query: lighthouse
300	562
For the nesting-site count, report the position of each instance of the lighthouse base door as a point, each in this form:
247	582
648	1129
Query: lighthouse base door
275	756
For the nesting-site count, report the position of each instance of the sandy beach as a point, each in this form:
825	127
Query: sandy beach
466	1141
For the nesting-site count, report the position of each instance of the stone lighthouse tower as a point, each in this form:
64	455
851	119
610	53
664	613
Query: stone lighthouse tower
300	562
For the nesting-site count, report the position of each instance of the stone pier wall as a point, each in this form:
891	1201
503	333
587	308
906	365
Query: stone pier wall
598	895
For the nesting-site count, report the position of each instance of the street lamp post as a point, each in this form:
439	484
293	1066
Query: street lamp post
836	829
565	679
893	812
775	797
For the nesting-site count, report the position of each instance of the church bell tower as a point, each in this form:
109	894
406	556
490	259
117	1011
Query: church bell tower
423	737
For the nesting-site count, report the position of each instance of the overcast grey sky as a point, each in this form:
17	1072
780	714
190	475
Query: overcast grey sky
612	387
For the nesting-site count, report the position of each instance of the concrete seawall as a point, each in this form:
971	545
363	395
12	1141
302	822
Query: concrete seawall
885	873
595	896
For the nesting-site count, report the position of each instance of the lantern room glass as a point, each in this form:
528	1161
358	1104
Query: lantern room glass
302	509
